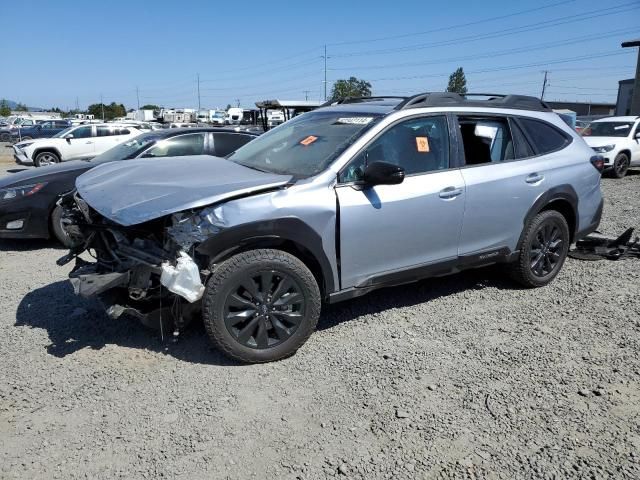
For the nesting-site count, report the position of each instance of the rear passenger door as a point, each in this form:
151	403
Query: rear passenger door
504	174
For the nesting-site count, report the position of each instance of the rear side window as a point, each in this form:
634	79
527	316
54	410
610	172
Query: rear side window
522	147
104	131
545	138
486	140
226	143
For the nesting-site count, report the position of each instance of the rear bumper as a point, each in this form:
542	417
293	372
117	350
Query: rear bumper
593	224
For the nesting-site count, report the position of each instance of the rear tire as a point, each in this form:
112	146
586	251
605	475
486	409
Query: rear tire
620	166
543	250
46	158
261	305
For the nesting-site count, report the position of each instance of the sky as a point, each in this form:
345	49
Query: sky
63	52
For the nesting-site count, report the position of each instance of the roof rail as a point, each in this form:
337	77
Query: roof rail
493	100
344	100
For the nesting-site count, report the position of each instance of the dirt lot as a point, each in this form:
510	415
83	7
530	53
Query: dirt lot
460	377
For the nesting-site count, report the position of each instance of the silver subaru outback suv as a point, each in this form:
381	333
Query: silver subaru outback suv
358	195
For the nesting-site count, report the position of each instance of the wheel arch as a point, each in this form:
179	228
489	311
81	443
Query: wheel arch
291	235
40	150
563	199
626	151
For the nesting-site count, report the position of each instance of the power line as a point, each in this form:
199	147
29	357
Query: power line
501	33
451	27
542	46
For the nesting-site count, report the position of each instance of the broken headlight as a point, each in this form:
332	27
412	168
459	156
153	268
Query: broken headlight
190	228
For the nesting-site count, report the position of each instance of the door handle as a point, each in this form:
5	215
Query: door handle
534	178
450	193
89	143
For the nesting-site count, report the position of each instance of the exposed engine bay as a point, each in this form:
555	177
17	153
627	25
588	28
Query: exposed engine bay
149	271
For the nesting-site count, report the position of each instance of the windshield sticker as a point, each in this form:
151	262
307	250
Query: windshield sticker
308	141
422	144
621	127
354	120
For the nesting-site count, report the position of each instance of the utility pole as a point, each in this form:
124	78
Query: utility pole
544	84
198	92
306	94
138	96
325	72
102	106
238	102
77	105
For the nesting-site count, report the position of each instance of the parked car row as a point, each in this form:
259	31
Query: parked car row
28	199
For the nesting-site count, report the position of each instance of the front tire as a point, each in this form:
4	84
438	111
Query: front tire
543	250
261	305
58	230
44	159
620	165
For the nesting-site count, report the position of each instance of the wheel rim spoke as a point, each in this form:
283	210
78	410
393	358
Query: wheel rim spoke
252	289
284	285
234	318
280	330
238	301
292	317
262	336
247	332
288	299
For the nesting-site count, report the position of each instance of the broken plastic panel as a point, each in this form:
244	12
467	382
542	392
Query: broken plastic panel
601	248
183	279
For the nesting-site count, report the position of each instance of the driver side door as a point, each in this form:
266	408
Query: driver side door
82	145
395	233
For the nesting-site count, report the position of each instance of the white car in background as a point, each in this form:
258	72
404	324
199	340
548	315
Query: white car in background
75	143
617	139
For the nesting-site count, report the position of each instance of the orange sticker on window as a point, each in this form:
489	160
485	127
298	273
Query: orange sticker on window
422	144
309	140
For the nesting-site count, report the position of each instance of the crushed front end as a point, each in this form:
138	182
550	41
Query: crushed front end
144	271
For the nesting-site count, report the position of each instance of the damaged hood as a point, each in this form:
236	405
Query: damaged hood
137	191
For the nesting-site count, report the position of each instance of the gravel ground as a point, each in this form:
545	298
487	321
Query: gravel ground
459	377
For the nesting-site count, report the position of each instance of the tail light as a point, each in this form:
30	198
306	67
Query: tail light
598	162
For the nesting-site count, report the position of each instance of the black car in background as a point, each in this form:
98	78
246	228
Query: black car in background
28	198
42	129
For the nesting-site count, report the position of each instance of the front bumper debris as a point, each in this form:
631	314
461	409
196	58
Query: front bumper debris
602	248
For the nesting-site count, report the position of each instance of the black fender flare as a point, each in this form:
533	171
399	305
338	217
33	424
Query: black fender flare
268	233
563	192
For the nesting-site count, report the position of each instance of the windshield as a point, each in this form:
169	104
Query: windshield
607	129
128	149
306	145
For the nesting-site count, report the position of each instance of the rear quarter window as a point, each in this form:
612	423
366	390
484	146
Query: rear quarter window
545	138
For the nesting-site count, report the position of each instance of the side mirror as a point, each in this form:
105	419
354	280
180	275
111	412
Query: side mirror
68	137
637	135
383	173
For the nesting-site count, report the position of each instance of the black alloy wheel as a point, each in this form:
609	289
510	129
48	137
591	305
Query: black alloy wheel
542	250
621	165
264	309
546	249
260	305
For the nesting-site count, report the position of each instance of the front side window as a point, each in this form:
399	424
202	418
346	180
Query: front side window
306	145
419	145
46	125
546	138
182	145
81	132
607	129
486	140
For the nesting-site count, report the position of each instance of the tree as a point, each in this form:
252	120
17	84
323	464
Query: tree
149	107
5	111
353	87
111	111
457	82
21	107
228	106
